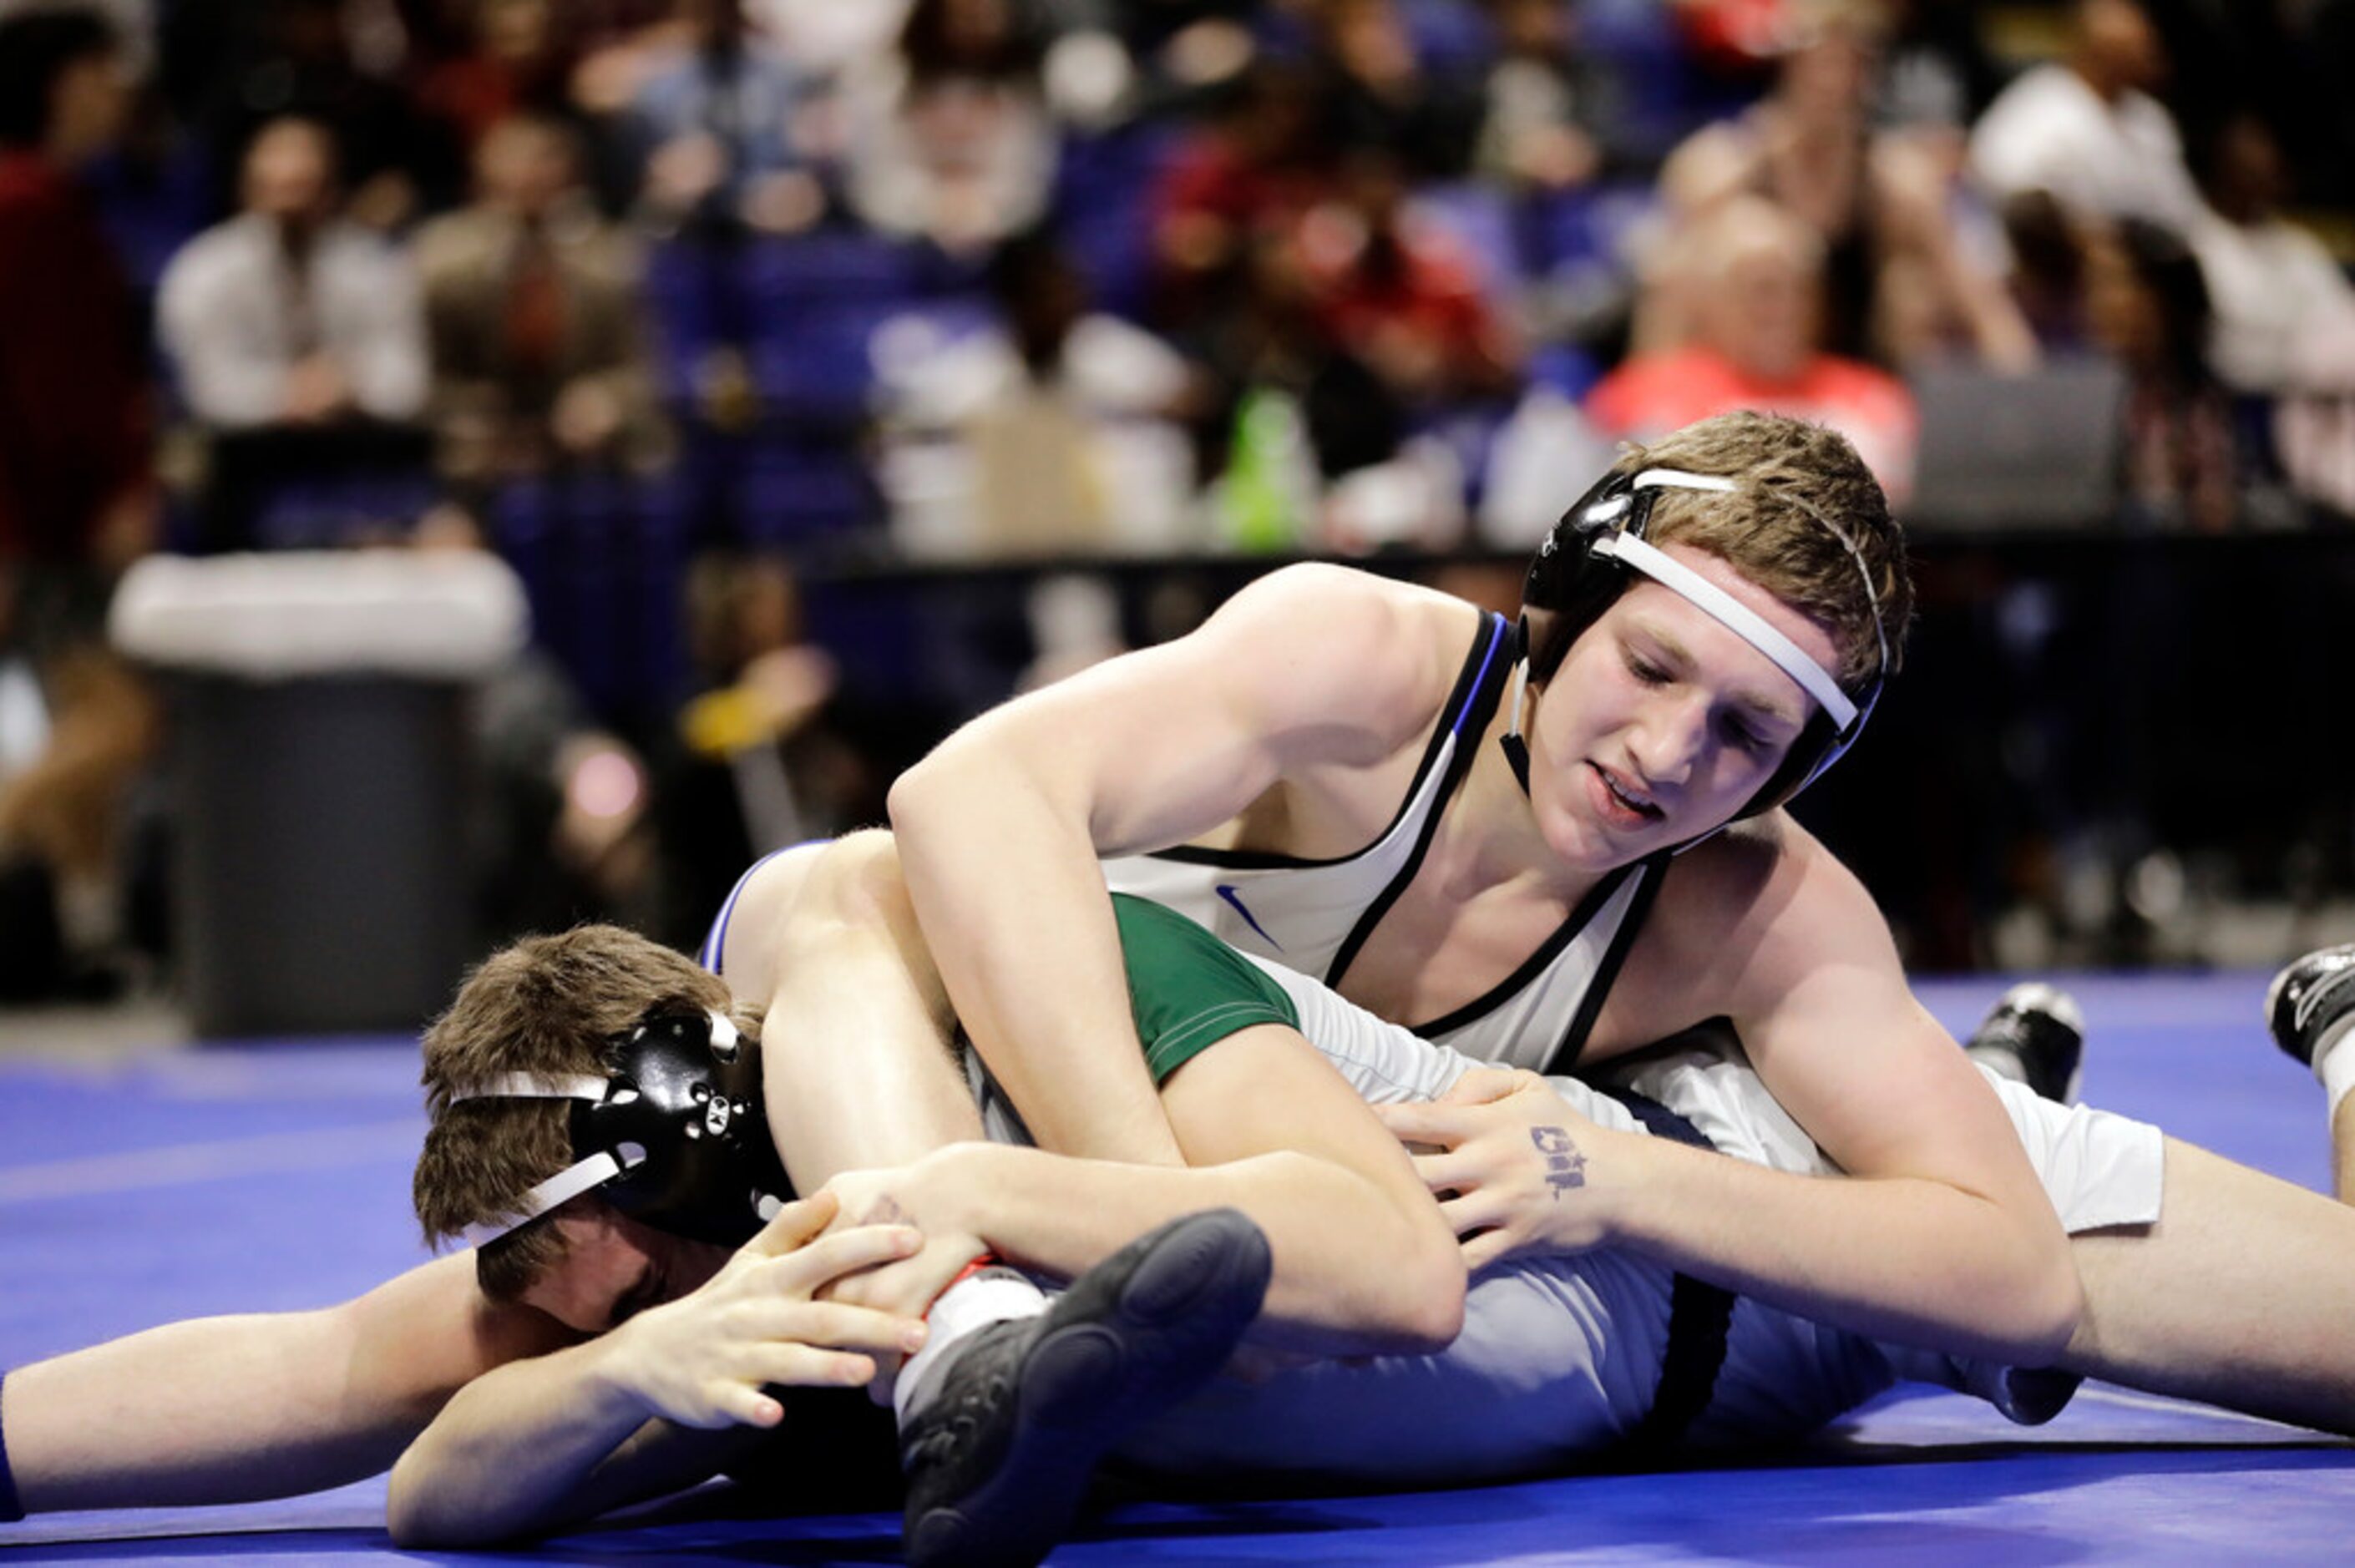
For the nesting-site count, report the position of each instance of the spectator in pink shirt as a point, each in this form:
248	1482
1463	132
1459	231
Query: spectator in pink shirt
1756	346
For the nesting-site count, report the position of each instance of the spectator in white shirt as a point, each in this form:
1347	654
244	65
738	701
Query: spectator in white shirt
287	315
2273	285
2086	129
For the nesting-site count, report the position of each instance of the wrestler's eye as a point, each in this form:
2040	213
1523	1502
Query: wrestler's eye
1738	733
1645	671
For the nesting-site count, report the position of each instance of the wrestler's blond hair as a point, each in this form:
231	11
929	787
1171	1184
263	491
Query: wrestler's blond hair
1804	498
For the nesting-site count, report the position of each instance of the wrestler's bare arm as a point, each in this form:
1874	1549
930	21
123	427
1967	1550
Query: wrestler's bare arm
220	1410
663	1402
1944	1237
1001	827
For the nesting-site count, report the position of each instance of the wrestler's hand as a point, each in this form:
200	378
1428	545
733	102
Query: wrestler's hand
927	1194
1514	1167
707	1359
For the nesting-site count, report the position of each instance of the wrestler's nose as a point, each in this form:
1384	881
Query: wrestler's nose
1668	741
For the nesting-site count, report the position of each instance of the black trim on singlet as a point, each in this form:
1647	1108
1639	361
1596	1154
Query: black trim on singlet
1535	965
1473	725
1572	1045
1699	1316
1492	636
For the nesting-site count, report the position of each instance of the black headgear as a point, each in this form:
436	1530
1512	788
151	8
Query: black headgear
675	1136
1597	549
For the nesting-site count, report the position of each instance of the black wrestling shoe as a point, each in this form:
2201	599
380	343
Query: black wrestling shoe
2308	997
999	1456
2035	1034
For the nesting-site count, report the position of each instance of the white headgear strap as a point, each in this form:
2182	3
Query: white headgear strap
1736	617
1722	607
582	1175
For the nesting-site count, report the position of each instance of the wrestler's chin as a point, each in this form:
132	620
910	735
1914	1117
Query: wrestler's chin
1584	844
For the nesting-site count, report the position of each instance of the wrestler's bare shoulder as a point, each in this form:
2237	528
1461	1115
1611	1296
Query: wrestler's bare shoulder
1384	654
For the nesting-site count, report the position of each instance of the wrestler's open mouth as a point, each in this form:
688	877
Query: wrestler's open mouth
1623	800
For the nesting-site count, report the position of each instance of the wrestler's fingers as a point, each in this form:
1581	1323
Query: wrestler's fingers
810	1366
804	1270
1423	1122
906	1285
838	1327
793	1226
1486	1249
1454	1171
743	1404
1469	1212
1480	1085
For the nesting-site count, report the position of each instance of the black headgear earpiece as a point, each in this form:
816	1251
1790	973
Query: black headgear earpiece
675	1136
1599	546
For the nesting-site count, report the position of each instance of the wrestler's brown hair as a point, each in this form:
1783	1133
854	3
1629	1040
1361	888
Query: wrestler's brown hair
548	1005
1802	489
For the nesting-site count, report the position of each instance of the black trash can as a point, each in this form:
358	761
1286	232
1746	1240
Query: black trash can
321	776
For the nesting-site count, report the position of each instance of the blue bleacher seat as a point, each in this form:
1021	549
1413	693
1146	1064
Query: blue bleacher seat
1103	210
1480	219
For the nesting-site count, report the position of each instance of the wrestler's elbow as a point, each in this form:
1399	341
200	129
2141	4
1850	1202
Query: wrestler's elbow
410	1518
433	1501
2061	1309
1434	1321
2042	1301
418	1522
1428	1283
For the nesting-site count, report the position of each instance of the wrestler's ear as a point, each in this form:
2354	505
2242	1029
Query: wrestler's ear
793	1226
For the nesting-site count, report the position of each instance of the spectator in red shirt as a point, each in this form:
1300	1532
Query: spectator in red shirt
74	430
76	503
1402	295
1248	175
1756	346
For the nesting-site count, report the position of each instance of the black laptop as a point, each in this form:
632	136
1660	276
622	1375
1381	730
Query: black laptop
2032	452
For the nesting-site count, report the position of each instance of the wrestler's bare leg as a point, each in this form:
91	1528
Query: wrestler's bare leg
2243	1295
855	1062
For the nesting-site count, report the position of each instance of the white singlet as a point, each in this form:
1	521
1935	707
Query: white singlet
1312	916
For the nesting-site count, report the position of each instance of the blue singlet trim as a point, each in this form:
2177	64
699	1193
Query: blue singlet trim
715	941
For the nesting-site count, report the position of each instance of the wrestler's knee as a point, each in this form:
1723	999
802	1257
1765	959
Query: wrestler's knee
856	878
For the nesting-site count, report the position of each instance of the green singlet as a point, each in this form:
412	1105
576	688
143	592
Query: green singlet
1188	989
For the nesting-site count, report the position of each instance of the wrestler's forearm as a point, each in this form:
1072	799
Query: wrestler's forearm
1019	924
217	1410
1352	1276
222	1410
1895	1259
541	1444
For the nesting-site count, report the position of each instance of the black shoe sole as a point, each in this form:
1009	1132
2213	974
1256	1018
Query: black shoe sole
1085	1385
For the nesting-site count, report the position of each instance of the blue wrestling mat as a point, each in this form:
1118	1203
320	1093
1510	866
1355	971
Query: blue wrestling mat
198	1181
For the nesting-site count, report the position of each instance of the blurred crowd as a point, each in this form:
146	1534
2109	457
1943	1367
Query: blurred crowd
665	300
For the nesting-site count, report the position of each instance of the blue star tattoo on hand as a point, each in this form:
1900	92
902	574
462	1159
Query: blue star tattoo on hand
1565	1166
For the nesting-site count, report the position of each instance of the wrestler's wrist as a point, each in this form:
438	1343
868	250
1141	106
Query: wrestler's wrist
1622	1186
963	1183
620	1382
